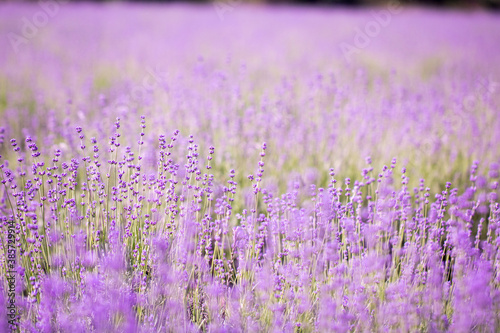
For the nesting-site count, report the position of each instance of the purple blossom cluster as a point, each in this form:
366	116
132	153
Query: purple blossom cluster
235	193
105	246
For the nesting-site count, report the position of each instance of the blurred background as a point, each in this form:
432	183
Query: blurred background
490	4
314	80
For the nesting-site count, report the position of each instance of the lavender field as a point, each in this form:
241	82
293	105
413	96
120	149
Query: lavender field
175	168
